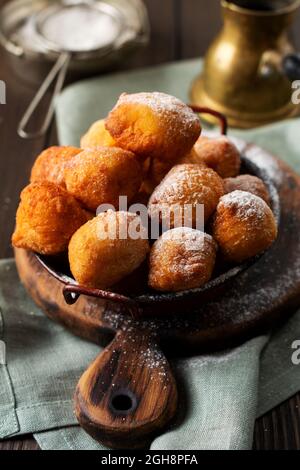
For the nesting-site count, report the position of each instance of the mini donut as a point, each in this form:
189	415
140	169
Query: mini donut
99	176
51	163
46	218
248	183
191	157
153	125
181	259
157	170
186	184
219	153
105	250
243	226
97	136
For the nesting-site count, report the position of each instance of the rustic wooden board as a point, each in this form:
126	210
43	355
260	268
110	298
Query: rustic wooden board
128	394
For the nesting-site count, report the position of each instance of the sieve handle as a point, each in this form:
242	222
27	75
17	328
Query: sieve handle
59	70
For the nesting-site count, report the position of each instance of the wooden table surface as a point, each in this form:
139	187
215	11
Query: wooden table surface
180	29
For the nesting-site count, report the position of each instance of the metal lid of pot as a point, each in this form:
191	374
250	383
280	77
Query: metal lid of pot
86	28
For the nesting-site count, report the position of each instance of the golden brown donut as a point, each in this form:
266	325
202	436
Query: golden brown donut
191	157
104	250
248	183
157	170
97	136
46	218
219	153
243	226
153	125
51	163
186	184
181	259
100	176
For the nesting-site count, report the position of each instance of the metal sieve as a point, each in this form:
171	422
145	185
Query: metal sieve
76	36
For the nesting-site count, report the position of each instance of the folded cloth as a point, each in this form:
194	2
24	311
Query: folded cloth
41	362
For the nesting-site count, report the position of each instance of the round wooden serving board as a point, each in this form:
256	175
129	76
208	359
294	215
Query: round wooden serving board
129	393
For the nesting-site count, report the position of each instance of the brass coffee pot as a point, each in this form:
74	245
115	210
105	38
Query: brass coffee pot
249	67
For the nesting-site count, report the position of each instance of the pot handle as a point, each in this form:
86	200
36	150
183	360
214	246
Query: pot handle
59	70
221	117
128	394
72	293
291	66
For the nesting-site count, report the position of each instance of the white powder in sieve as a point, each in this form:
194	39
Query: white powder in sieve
80	28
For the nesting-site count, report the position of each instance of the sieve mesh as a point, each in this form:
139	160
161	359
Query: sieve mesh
80	27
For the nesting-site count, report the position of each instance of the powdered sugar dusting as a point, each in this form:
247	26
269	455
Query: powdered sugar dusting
246	205
187	183
265	162
164	105
187	237
185	256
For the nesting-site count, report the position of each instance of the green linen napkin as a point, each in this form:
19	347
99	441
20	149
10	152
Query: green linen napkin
40	362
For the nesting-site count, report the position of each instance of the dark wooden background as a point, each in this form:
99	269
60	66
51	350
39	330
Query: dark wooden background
180	29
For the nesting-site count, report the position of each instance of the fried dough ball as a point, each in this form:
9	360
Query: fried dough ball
248	183
157	170
187	184
51	163
107	248
97	136
100	176
181	259
153	125
191	157
219	153
46	218
160	168
244	226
